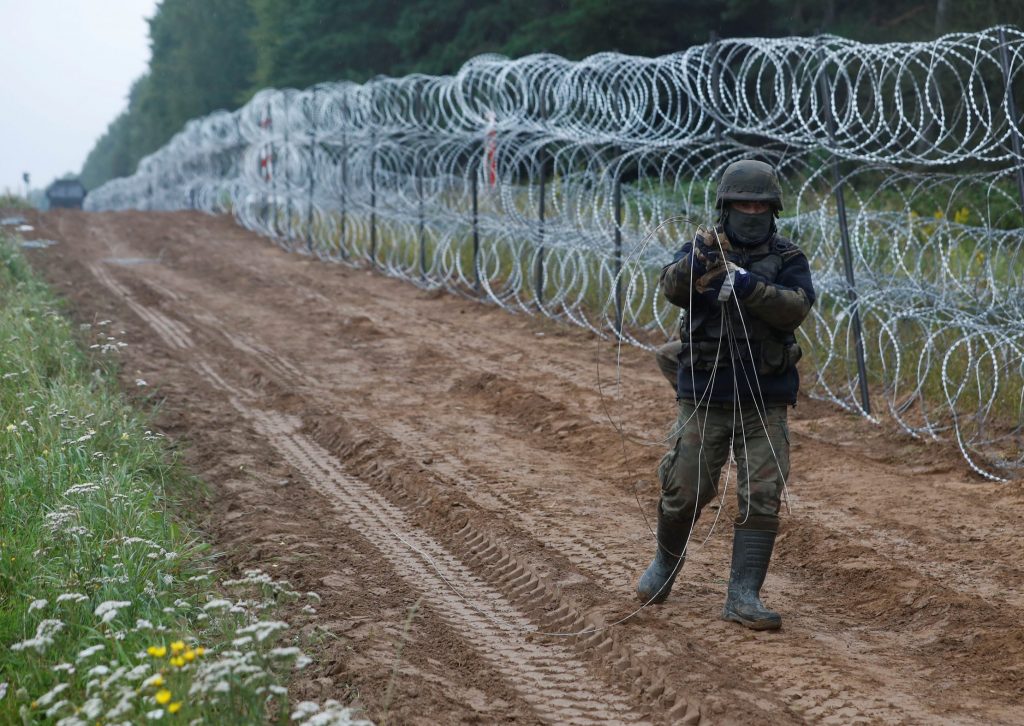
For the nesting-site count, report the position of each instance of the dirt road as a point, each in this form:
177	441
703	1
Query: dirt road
444	475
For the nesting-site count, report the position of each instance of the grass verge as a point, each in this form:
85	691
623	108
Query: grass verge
109	609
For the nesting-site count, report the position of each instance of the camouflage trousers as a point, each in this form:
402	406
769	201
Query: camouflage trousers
690	471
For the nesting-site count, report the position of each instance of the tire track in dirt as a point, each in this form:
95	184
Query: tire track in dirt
173	333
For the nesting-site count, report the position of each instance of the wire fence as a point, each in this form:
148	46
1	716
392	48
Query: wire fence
543	185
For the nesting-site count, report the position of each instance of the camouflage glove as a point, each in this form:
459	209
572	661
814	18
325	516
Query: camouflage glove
743	282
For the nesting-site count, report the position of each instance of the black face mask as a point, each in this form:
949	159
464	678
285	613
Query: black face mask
749	230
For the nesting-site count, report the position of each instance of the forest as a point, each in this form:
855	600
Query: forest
215	54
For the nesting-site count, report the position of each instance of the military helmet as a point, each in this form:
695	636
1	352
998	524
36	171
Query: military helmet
749	181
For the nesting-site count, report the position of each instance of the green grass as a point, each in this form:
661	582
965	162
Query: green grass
109	610
13	201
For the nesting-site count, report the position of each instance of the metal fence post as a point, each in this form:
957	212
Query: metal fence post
422	242
617	202
344	180
824	88
272	166
1014	117
475	180
373	199
287	176
312	178
538	273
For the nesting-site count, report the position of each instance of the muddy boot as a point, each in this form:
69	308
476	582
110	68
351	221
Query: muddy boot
751	551
656	582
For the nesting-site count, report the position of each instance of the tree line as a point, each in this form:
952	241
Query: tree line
215	54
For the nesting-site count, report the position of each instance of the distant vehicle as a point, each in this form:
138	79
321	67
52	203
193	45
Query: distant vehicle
66	193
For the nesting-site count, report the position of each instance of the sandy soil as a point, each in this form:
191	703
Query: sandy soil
445	475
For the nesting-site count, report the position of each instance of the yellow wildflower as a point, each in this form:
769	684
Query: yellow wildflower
174	707
200	650
157	680
162	696
11	427
177	661
177	646
157	651
189	655
124	436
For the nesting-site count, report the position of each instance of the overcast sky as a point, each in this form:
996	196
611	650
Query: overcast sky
65	70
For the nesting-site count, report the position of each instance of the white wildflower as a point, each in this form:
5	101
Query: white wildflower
84	437
89	652
304	709
108	610
168	579
56	520
290	652
334	714
72	721
137	672
57	708
3	690
143	624
140	383
65	667
155	715
263	629
124	705
243	641
75	596
302	661
315	597
45	633
84	488
153	680
309	609
277	690
99	670
38	604
47	698
92	708
218	604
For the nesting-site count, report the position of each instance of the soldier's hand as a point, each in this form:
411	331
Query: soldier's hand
709	256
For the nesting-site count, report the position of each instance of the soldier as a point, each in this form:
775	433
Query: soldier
744	289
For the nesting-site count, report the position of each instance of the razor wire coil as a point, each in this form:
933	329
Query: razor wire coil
507	179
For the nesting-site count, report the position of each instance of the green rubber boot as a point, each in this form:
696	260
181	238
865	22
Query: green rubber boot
656	582
751	552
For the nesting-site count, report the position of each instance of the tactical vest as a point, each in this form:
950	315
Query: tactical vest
707	344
